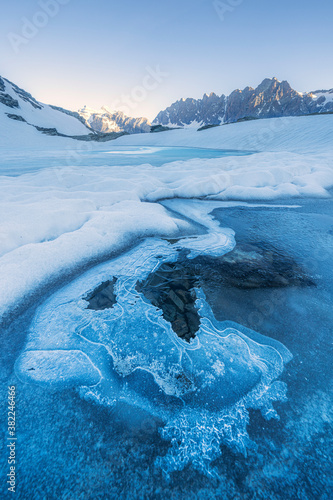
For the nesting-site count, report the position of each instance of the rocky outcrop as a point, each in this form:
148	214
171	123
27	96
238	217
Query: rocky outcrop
25	96
270	99
172	289
160	128
18	118
97	137
5	98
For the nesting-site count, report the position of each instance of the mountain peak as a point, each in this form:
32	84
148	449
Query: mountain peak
268	83
105	120
107	109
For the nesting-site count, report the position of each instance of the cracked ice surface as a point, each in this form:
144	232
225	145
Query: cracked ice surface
129	353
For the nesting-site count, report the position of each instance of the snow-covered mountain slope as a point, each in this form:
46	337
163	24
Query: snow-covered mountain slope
28	123
18	105
299	134
271	98
105	120
323	98
17	137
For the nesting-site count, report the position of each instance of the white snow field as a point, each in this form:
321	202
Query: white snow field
61	217
301	134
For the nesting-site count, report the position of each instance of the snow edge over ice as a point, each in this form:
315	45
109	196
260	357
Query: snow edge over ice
57	219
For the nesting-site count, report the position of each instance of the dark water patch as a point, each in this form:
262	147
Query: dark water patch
248	267
252	265
103	297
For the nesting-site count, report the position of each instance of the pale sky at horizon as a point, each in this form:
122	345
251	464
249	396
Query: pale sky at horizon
96	52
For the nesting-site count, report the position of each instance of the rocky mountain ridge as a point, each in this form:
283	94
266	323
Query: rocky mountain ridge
270	99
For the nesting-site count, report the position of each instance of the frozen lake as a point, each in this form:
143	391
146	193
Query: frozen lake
88	447
84	154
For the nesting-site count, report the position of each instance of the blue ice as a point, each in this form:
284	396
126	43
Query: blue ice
129	353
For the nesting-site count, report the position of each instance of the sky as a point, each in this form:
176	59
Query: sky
139	56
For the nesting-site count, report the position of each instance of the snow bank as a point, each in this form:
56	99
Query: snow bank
302	134
40	254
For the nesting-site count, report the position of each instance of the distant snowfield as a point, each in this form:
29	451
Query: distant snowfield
57	218
305	134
